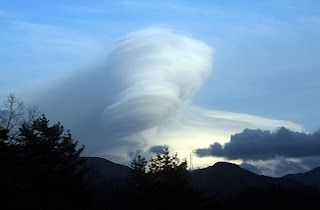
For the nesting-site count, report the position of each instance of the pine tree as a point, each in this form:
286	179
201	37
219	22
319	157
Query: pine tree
48	172
138	170
165	185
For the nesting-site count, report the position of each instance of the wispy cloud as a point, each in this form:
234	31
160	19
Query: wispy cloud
127	3
141	98
278	167
7	15
50	37
161	71
43	50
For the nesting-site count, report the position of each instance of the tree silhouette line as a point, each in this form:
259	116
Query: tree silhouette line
161	184
40	164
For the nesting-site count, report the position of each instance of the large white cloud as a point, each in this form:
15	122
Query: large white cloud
159	71
140	97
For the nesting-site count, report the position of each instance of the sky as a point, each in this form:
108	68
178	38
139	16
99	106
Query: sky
203	77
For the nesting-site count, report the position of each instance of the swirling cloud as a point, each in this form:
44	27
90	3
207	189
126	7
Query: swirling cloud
140	97
159	71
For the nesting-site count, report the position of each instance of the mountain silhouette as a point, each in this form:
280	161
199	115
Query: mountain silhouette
228	186
224	177
107	181
225	186
105	171
311	177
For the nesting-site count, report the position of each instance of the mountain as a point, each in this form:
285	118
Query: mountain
228	186
105	171
107	181
225	177
223	185
222	177
311	177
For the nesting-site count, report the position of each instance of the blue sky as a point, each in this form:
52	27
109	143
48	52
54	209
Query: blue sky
265	61
266	53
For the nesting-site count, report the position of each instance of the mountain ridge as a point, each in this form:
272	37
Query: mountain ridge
224	185
311	177
107	171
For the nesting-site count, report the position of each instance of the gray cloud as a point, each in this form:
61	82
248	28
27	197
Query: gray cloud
134	154
157	149
251	167
265	145
310	162
279	167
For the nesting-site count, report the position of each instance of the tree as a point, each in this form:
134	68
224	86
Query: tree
164	186
50	145
3	134
13	114
138	170
165	163
42	168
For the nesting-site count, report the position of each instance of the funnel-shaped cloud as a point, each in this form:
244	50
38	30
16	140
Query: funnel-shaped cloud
138	98
159	71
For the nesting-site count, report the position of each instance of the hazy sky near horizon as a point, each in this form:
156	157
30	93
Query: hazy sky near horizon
257	61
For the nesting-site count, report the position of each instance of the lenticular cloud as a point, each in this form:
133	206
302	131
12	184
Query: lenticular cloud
159	71
139	99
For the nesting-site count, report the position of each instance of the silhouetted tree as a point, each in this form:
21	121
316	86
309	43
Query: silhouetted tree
167	166
42	168
13	114
3	135
165	185
4	156
138	170
138	183
8	161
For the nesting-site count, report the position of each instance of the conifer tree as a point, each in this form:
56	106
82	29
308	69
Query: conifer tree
41	168
51	165
165	184
138	170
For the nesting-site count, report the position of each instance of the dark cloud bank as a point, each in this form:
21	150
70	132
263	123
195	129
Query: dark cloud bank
266	152
265	145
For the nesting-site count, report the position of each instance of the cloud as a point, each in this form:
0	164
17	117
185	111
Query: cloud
144	82
311	162
159	72
266	145
134	154
61	40
277	167
157	149
6	14
140	96
33	54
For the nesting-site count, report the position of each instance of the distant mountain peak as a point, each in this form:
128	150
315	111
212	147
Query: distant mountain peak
311	177
225	164
315	170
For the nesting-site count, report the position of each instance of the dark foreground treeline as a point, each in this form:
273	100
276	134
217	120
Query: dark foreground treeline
41	168
221	186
